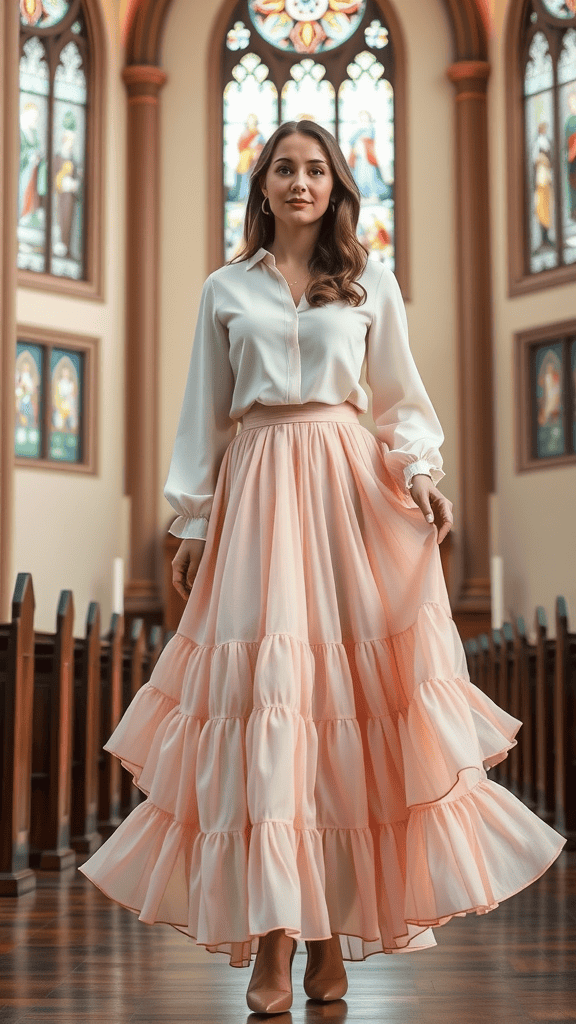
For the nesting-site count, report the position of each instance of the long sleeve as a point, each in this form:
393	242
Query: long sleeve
403	414
205	427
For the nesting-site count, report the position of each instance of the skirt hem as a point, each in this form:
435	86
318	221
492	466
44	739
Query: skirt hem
423	925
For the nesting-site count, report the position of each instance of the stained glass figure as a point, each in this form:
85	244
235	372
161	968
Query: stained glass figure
306	26
69	144
540	148
549	401
65	396
250	117
308	95
567	116
32	181
28	400
366	129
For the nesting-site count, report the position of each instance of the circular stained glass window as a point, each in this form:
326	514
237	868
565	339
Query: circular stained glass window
561	8
43	13
306	26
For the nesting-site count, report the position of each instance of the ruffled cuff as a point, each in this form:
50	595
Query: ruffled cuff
422	466
187	527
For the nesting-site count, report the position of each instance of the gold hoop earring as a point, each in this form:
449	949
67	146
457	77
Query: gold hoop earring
333	206
267	212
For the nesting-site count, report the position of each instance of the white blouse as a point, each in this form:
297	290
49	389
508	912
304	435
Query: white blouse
253	344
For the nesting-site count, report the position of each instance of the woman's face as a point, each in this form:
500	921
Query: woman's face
299	167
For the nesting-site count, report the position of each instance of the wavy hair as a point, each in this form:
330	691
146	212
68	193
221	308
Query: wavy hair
339	257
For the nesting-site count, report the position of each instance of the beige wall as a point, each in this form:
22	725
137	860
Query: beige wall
185	196
535	514
69	527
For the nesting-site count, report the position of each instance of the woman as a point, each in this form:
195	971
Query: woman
313	751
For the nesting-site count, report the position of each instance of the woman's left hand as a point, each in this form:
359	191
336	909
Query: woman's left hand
435	506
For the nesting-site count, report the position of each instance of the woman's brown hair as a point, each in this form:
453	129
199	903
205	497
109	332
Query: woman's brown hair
339	257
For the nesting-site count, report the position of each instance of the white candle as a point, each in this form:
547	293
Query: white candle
497	590
118	586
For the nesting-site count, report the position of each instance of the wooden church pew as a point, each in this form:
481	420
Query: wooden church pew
110	713
16	703
133	655
493	679
504	700
515	683
565	727
85	835
525	656
544	718
153	649
52	742
472	659
483	660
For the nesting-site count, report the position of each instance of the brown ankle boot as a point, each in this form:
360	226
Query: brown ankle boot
325	976
270	988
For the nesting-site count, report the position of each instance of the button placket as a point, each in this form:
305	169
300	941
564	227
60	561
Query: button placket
291	324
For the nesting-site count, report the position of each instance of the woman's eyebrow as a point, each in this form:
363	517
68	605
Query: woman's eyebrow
288	160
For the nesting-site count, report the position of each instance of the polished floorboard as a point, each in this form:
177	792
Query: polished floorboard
69	955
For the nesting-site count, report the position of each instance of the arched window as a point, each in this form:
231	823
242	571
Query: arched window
57	134
331	61
548	80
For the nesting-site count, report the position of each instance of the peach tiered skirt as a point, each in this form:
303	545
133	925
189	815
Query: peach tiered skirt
313	752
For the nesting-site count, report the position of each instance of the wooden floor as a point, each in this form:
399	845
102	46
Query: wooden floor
70	955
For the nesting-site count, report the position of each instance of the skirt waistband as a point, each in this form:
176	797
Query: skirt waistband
259	415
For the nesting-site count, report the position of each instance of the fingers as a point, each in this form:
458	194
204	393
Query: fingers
444	510
422	498
434	505
183	575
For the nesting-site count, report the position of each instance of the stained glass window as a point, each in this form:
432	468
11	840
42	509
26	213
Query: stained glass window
53	110
546	411
306	26
307	94
561	8
250	117
366	134
331	61
550	134
48	403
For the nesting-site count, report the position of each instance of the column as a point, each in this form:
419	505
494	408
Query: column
143	84
474	332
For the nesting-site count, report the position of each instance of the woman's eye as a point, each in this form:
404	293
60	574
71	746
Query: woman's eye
284	168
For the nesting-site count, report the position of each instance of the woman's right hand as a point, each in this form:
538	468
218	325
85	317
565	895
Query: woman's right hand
185	565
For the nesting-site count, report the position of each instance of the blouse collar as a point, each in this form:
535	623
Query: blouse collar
261	254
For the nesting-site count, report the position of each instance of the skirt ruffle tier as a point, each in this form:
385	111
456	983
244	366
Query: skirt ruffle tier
313	752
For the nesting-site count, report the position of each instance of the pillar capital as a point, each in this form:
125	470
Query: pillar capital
470	77
143	82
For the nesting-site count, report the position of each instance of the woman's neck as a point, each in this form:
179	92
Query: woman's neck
291	248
